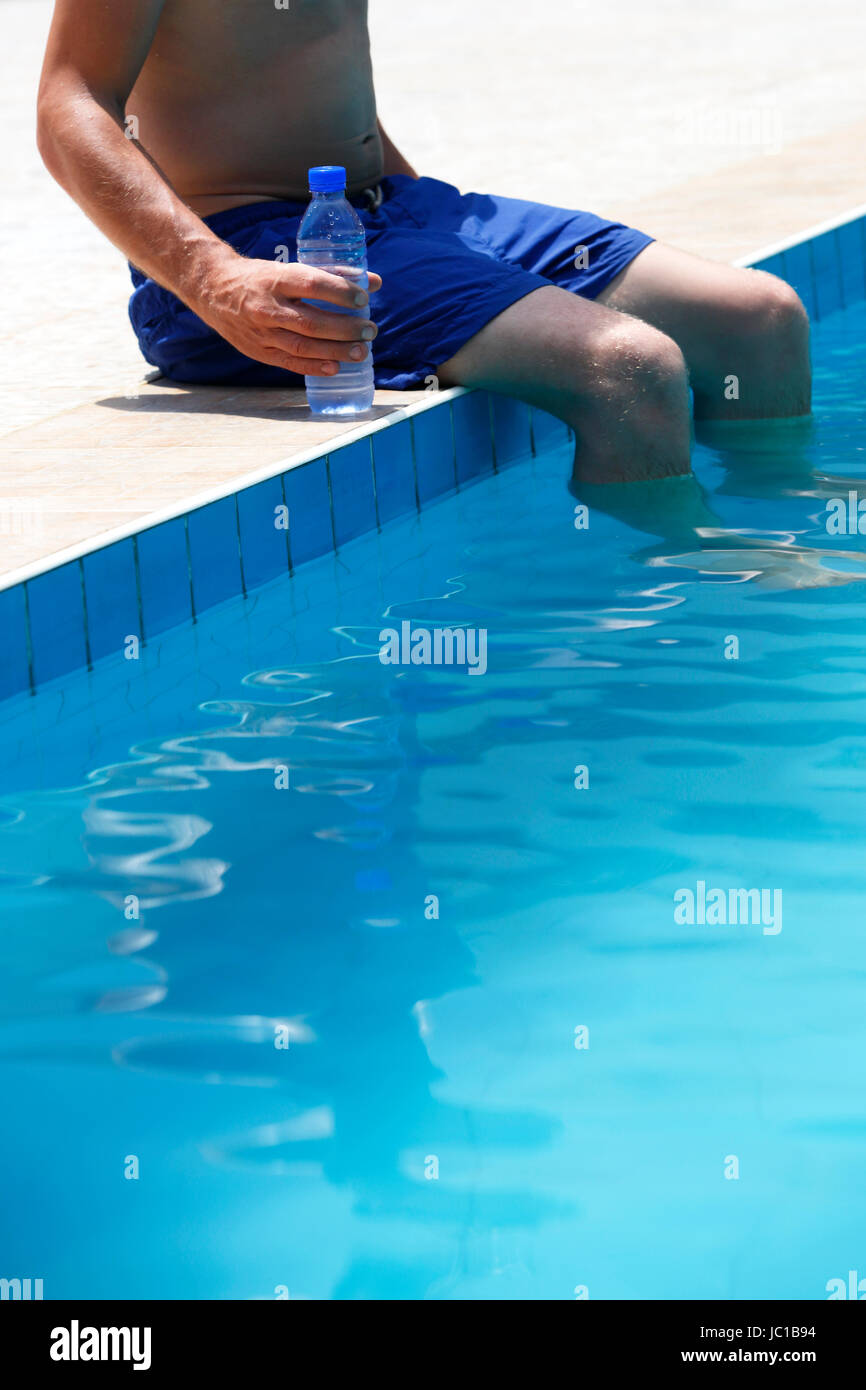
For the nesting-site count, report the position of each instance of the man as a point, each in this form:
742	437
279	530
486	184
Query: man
230	103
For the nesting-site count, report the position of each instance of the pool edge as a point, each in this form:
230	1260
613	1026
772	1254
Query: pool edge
82	604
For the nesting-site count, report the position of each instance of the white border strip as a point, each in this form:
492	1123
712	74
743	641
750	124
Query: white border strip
852	215
227	488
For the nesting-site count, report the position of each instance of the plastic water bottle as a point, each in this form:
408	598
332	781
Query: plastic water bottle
331	237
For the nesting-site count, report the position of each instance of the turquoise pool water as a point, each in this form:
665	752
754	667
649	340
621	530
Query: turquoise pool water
431	1129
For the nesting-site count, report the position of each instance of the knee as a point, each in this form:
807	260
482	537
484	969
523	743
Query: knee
639	364
772	316
635	424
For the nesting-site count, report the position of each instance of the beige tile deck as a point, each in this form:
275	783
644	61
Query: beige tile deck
717	131
83	472
764	199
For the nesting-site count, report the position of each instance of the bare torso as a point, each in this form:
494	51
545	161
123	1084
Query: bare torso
237	99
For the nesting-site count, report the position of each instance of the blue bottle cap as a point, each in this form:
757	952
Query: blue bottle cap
327	178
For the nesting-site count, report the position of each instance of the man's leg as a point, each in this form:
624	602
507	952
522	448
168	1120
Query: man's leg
620	383
744	334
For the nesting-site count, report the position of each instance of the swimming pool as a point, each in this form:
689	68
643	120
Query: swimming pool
327	977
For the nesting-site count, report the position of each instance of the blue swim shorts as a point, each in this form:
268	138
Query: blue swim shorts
449	262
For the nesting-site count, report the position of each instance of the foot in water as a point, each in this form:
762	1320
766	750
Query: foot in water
761	459
771	566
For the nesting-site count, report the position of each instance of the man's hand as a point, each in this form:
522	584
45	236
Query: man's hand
258	307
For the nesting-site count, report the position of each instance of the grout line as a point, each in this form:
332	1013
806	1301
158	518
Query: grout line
492	431
785	268
288	530
189	569
240	546
28	637
453	445
375	484
837	253
331	503
87	648
414	452
136	560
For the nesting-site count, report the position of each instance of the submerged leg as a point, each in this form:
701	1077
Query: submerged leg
744	333
621	384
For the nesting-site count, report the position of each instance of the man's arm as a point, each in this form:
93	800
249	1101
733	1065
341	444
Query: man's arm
395	162
94	55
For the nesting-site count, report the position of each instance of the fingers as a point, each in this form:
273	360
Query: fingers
319	368
310	322
284	329
311	367
306	282
323	349
319	358
293	362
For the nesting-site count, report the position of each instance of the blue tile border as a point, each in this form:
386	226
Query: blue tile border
799	272
166	573
111	597
308	497
827	269
56	619
163	577
394	472
213	537
353	491
511	428
15	674
473	436
548	432
433	448
826	274
851	241
264	532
